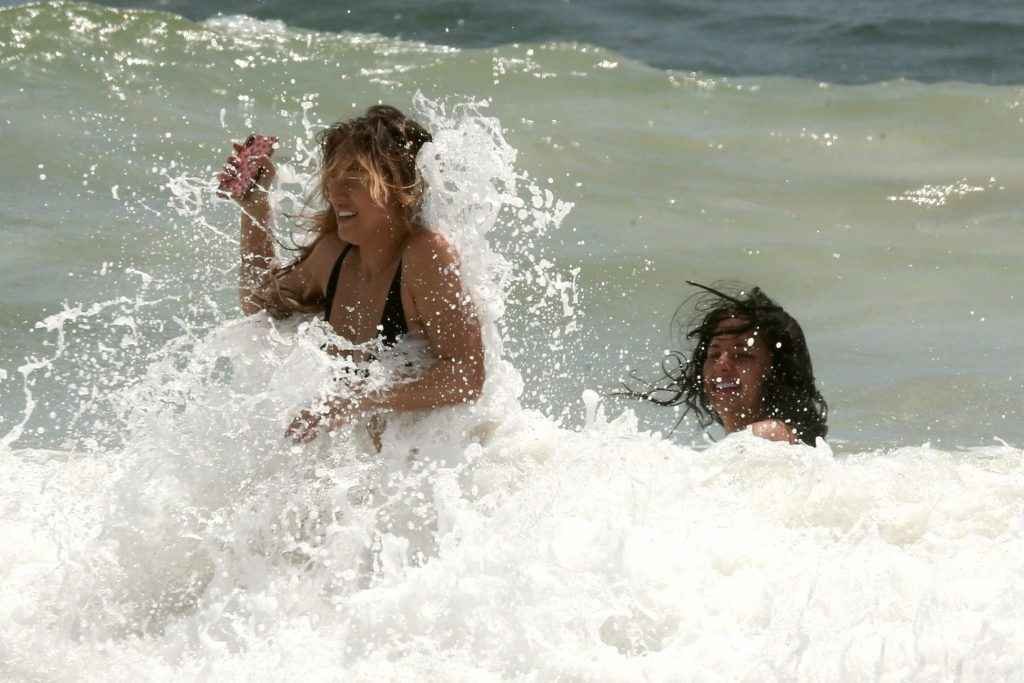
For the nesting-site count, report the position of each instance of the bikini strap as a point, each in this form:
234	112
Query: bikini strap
332	283
393	324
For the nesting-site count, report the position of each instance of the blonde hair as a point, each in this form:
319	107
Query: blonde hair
381	146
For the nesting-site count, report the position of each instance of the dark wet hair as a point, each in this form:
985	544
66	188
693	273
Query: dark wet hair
789	393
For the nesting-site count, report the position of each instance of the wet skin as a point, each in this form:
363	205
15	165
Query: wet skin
382	239
360	218
737	365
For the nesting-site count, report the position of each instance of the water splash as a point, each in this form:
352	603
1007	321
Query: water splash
191	508
171	534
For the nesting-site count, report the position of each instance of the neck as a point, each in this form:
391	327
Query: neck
735	422
377	256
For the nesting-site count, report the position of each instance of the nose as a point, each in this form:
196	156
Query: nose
723	363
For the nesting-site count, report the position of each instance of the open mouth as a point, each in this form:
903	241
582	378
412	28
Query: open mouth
343	215
726	384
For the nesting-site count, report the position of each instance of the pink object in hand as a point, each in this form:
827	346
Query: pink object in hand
238	180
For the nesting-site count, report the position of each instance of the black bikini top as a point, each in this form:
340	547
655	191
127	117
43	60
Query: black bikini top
392	323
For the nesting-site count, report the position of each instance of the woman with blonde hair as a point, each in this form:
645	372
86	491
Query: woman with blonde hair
372	268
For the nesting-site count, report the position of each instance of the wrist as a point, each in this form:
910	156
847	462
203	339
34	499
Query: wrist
372	404
257	211
355	407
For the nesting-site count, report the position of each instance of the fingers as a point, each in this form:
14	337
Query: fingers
242	173
264	172
301	433
304	437
303	428
230	168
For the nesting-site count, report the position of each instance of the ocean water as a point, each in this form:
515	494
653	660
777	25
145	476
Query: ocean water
158	527
859	41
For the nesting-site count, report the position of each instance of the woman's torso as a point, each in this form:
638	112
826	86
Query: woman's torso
363	306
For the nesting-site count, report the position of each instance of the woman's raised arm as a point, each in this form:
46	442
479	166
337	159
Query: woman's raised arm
261	284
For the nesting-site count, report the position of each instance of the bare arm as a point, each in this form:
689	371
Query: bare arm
256	247
256	251
262	286
452	331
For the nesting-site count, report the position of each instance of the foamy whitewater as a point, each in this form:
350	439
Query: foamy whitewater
158	526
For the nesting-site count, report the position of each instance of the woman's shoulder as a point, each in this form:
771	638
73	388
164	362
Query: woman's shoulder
430	263
774	430
311	269
427	247
323	252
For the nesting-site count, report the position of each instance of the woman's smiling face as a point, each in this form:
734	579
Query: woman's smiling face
734	372
359	217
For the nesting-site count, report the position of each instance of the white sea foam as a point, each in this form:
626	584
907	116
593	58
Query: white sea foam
175	534
529	552
490	543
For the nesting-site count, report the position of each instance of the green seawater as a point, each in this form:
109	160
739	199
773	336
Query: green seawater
885	217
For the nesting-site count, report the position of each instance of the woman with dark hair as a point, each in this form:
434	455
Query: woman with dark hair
749	367
372	269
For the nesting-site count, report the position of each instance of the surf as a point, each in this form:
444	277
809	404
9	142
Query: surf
158	523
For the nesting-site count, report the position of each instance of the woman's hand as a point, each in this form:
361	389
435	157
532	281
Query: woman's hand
339	413
257	199
304	427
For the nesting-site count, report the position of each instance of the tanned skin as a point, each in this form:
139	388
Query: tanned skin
437	308
734	373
